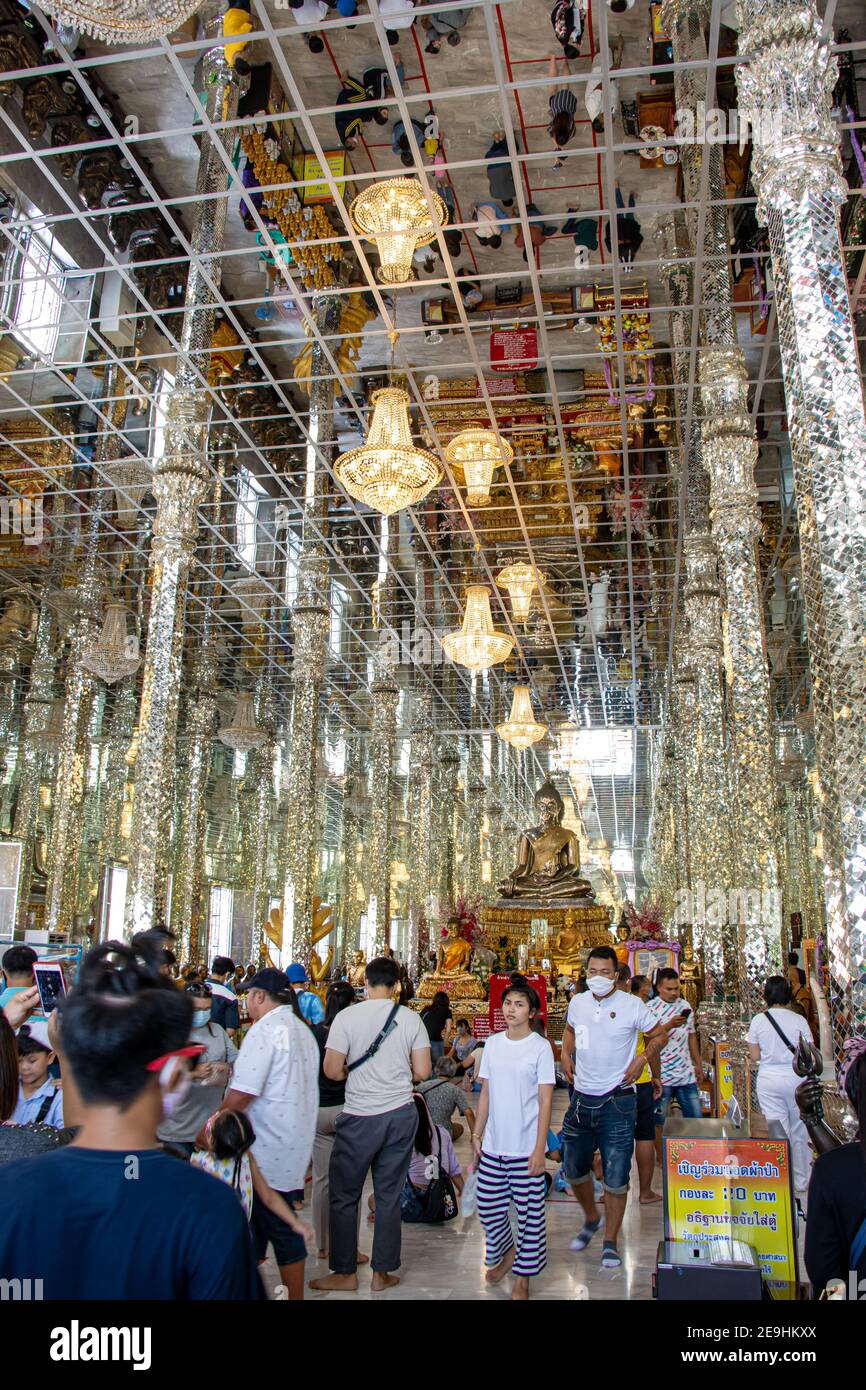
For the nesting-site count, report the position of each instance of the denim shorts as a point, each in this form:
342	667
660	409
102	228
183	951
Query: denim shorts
687	1097
605	1123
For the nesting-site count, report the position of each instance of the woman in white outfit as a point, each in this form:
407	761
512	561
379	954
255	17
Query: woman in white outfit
773	1039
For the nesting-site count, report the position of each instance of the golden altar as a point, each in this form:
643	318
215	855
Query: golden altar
560	932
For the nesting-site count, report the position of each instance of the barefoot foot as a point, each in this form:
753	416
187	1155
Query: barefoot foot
496	1273
383	1281
647	1198
362	1258
521	1287
335	1283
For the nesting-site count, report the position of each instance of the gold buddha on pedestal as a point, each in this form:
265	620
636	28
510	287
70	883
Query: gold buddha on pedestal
452	973
548	856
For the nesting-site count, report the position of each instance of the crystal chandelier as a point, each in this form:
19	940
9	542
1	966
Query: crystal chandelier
122	21
131	482
475	454
395	215
520	728
115	653
521	581
242	733
477	644
388	472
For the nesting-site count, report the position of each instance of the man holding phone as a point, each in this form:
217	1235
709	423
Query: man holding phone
682	1071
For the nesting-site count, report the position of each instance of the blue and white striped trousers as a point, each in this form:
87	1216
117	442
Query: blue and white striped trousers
501	1181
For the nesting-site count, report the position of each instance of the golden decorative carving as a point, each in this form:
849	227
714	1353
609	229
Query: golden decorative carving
354	314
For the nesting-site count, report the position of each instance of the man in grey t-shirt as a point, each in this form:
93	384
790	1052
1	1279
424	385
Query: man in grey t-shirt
377	1127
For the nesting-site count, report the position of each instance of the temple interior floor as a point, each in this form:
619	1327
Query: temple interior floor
448	1261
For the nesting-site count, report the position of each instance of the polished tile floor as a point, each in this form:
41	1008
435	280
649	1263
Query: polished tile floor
448	1261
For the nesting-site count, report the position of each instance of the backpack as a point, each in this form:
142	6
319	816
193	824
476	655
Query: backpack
435	1203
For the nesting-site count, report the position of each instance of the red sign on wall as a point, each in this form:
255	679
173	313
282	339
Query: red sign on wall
514	349
497	987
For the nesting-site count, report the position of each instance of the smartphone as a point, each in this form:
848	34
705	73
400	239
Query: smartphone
51	984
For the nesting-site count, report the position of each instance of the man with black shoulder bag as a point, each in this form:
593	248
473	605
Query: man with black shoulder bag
382	1051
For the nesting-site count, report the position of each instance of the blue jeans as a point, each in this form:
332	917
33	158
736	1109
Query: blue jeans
687	1097
437	1050
605	1123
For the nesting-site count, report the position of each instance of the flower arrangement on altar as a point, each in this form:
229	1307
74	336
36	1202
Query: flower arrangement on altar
644	923
467	909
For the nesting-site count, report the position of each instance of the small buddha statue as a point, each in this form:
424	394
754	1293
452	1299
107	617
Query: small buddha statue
568	940
690	975
548	856
452	972
356	972
621	947
455	952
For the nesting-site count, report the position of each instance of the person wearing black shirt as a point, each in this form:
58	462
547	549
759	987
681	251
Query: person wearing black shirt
111	1216
224	1004
435	1017
836	1216
332	1098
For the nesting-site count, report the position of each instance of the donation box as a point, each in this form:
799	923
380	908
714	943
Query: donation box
720	1184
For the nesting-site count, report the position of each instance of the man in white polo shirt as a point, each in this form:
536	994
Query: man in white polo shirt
599	1047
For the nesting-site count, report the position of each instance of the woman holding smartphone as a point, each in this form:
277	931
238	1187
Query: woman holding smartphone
517	1081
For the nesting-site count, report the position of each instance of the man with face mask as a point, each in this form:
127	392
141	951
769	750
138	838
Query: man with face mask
599	1046
276	1081
209	1077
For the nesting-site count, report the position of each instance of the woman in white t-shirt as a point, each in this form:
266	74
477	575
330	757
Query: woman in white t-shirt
773	1040
517	1080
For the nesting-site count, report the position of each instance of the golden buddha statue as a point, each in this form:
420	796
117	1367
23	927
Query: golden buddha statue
569	940
691	975
355	974
548	856
452	972
621	947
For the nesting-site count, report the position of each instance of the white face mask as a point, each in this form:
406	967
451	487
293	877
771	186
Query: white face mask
599	985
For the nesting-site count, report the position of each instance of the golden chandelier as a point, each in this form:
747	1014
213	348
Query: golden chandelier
521	728
477	645
475	454
388	472
395	215
521	580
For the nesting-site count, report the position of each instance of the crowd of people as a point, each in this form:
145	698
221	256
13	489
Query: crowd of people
177	1137
359	101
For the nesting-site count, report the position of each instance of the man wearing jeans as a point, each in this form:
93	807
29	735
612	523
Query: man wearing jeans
599	1059
376	1130
682	1070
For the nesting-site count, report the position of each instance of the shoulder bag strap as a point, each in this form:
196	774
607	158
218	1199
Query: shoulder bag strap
377	1042
47	1102
785	1039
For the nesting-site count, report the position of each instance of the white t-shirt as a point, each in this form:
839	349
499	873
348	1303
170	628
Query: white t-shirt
279	1064
514	1070
605	1038
310	12
383	1082
677	1068
775	1056
397	14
